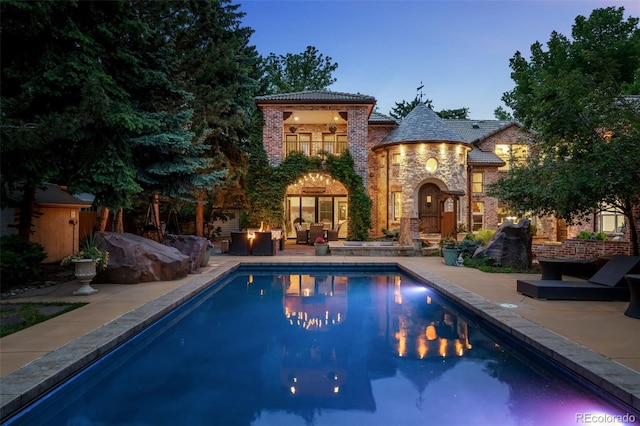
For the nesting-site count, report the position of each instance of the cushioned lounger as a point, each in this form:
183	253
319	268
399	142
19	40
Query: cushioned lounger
606	284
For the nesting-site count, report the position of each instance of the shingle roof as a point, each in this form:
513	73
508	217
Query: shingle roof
482	158
51	194
422	124
476	130
378	118
316	96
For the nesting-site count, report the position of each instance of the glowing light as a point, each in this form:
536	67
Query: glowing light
336	389
431	333
292	389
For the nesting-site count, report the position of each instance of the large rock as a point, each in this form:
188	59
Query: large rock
510	245
190	245
134	259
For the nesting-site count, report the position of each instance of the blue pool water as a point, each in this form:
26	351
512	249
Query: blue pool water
319	348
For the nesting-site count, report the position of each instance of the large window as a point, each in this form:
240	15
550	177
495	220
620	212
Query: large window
478	215
477	185
511	154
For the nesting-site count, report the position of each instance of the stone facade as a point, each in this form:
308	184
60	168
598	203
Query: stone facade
393	163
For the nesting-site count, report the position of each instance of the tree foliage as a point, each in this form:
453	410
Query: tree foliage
573	94
309	70
401	109
118	97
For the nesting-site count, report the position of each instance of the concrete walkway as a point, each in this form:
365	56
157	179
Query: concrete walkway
599	326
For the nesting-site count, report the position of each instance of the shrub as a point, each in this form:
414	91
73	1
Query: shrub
467	247
391	234
20	260
484	235
586	235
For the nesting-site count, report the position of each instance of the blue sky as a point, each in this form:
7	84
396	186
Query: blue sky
459	50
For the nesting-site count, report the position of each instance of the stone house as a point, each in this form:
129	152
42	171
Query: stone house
423	174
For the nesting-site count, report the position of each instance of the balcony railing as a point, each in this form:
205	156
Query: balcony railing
314	147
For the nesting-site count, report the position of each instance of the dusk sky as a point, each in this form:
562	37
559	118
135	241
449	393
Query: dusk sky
459	50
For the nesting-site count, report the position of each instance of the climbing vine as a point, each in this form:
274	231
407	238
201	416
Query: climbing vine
269	185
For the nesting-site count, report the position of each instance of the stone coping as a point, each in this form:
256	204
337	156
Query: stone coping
25	385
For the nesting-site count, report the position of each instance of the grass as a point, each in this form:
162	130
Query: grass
31	313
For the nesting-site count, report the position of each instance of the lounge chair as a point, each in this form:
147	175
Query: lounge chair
608	283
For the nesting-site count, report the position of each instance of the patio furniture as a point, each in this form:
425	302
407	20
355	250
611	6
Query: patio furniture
278	236
316	230
263	244
332	234
633	310
239	244
302	235
606	284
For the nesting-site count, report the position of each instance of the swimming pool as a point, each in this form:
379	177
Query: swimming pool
302	346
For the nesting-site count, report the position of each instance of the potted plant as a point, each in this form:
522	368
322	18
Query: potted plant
87	261
322	247
450	250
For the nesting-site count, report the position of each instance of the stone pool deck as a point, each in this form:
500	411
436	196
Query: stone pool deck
594	339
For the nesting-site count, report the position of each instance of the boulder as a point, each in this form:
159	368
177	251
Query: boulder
134	259
189	245
510	245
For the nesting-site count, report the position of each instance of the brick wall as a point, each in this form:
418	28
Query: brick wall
581	249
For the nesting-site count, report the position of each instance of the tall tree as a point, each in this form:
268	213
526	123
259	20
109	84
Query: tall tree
60	62
309	70
120	96
573	95
502	114
403	108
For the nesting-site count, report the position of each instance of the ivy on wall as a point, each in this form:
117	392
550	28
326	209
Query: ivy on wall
269	186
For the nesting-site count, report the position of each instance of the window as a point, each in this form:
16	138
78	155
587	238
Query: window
611	219
432	165
396	202
478	215
511	154
477	182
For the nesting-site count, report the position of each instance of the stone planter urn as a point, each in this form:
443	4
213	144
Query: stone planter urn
205	258
322	249
450	256
85	271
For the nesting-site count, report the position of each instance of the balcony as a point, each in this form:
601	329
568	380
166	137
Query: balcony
313	147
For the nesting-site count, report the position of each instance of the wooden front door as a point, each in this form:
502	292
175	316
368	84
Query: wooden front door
429	208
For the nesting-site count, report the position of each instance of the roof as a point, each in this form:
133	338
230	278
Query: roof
478	157
316	96
378	118
473	131
422	125
53	195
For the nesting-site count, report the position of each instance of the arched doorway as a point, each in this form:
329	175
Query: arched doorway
429	208
316	198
